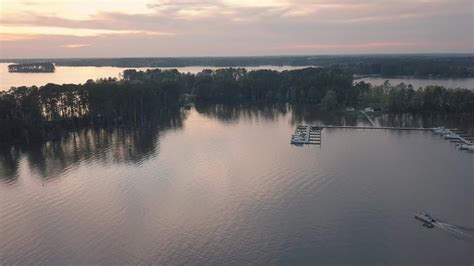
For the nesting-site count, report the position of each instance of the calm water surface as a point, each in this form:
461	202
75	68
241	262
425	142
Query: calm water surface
222	185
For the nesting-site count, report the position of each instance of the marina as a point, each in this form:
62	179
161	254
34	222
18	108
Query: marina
371	121
371	127
307	134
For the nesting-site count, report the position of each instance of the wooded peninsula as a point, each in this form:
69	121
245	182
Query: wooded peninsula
140	98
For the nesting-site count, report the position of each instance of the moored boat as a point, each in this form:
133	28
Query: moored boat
452	136
469	147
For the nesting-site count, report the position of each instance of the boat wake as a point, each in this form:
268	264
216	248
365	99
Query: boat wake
457	231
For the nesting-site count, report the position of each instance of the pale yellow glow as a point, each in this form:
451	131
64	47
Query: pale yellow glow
75	45
190	14
318	8
13	37
71	9
59	31
257	3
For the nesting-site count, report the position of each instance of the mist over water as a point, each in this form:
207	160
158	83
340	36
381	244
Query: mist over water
221	184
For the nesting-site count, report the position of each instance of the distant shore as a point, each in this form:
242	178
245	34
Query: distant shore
387	65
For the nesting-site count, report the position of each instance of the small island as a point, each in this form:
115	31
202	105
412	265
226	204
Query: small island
32	68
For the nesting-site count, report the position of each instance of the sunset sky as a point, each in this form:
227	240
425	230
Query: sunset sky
140	28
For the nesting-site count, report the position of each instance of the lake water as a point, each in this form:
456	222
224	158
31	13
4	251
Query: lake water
222	185
82	74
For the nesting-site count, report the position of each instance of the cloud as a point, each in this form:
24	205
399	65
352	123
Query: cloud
66	31
78	45
233	27
387	46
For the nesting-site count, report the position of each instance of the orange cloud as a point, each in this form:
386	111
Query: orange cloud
78	45
64	31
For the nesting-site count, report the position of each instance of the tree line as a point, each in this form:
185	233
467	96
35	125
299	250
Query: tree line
236	85
30	114
418	65
330	88
422	67
404	98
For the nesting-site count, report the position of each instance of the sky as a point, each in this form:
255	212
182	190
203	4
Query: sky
169	28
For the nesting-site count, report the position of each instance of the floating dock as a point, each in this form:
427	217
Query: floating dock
372	127
371	121
306	134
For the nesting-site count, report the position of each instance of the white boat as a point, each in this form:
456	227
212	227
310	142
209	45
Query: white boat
299	137
438	129
427	220
452	136
469	147
442	132
299	140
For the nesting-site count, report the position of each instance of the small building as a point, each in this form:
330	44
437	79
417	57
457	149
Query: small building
369	110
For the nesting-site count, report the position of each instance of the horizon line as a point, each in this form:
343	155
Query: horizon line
243	56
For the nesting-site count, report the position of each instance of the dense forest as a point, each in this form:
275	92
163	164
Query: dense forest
237	85
31	114
141	98
404	98
326	87
419	65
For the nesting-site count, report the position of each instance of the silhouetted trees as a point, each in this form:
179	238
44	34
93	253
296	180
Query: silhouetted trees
404	98
419	65
30	114
230	85
309	85
329	101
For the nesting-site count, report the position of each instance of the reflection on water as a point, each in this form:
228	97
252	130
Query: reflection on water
300	114
9	160
464	122
222	185
303	114
232	113
135	145
97	145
